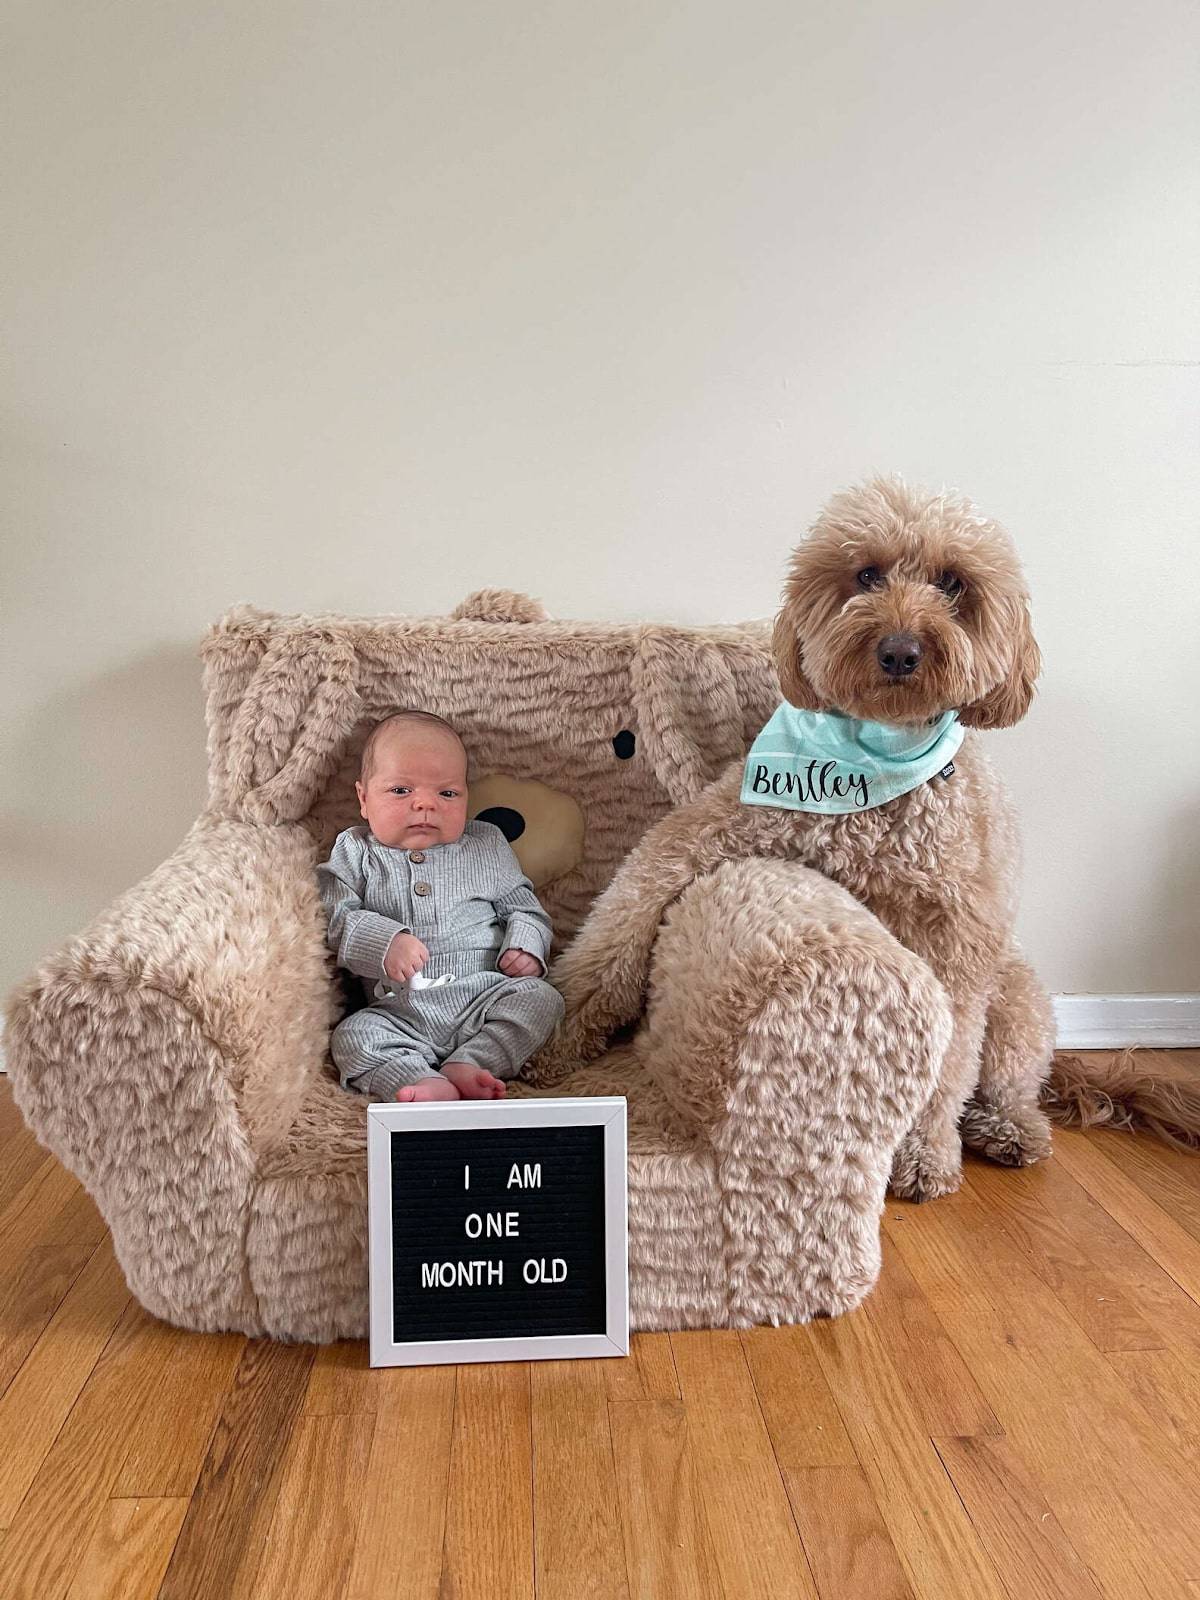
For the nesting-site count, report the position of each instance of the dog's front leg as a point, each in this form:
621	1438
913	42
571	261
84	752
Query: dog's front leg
962	946
928	1162
1004	1120
603	973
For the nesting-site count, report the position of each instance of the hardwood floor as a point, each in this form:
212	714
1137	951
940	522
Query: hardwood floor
1014	1414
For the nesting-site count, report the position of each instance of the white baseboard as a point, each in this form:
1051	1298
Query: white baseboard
1116	1021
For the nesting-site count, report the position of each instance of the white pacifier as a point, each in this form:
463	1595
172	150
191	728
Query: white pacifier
420	981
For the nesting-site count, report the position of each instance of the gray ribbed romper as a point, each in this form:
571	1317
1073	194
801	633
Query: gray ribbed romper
467	902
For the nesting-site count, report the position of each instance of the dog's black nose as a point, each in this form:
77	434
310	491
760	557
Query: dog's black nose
899	655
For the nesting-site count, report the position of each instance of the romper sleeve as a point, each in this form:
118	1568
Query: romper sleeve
527	925
358	937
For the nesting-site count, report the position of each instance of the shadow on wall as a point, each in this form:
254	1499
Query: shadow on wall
1110	891
113	773
1179	896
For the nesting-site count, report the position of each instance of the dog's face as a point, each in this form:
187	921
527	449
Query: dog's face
900	605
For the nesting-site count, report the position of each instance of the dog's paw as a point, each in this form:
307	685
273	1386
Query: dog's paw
1012	1138
921	1171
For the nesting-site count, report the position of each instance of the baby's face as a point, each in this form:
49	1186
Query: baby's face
416	795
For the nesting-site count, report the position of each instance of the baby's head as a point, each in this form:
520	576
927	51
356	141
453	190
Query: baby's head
412	788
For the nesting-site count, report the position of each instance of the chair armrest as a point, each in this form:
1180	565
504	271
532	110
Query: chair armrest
161	1052
801	1040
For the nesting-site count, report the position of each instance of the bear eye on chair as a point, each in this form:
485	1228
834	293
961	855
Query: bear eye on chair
543	825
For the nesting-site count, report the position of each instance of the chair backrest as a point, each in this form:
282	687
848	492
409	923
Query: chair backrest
580	735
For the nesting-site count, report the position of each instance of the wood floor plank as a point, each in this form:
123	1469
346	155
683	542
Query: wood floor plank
754	1539
342	1380
668	1550
1167	1386
76	1479
1091	1295
1173	1314
11	1121
310	1545
220	1544
489	1508
414	1419
1171	1178
1029	1549
843	1534
578	1553
77	1222
168	1445
947	1399
1066	1415
32	1214
802	1418
20	1160
940	1551
646	1373
38	1400
31	1295
1160	1236
129	1549
845	1538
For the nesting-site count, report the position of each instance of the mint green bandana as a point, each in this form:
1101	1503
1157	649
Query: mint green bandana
823	761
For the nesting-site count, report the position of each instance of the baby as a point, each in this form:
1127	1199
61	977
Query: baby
420	890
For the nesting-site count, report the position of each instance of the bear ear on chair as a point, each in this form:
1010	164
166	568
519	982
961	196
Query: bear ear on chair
291	726
499	605
689	711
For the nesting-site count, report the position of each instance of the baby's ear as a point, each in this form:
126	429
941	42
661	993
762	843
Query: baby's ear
1010	699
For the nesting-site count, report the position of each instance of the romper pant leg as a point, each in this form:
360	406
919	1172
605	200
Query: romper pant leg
377	1054
516	1024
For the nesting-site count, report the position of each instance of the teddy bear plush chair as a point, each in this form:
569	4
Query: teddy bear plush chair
175	1055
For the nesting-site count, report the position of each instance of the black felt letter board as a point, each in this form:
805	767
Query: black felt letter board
497	1233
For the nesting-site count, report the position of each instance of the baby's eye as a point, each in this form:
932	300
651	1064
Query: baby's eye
449	794
398	788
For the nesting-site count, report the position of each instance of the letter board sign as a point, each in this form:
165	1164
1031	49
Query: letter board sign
497	1231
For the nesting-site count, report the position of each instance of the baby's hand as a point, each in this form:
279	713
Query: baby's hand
516	963
405	955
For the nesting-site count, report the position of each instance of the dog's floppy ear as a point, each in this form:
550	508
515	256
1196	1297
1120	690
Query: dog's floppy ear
1009	700
788	650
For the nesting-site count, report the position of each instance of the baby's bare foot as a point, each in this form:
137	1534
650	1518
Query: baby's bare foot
435	1088
472	1082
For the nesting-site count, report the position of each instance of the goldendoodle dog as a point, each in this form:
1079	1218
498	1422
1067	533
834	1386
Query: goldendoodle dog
900	606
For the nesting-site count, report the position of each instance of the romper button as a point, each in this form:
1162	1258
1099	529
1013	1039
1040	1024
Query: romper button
421	888
418	856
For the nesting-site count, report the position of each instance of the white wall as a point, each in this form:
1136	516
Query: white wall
363	306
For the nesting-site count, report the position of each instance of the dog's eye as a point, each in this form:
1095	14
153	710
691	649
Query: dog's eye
870	578
951	585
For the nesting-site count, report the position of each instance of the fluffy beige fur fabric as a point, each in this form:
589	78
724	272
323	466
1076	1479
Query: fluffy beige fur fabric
174	1055
937	867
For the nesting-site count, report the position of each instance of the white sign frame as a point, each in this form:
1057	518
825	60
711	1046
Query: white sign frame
384	1119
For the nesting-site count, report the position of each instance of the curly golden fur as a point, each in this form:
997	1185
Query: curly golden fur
938	866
